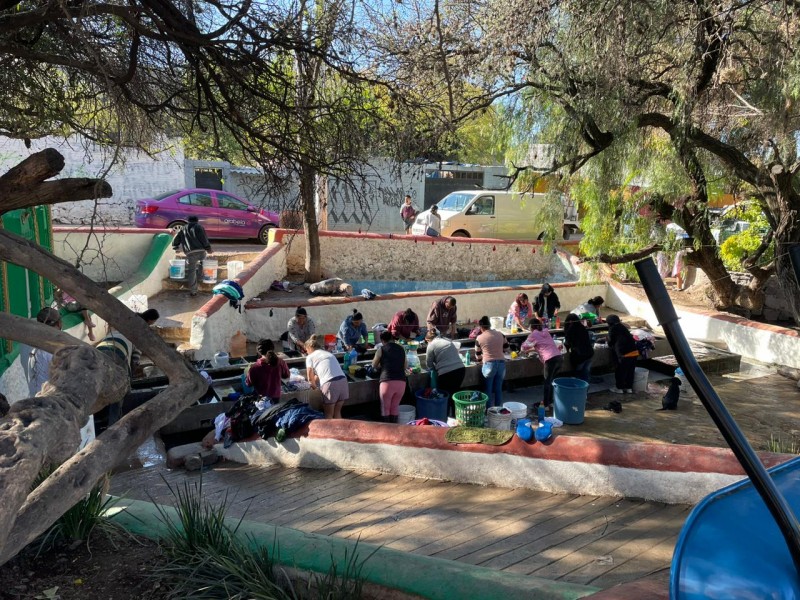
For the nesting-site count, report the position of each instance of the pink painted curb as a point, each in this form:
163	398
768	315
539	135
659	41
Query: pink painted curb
629	455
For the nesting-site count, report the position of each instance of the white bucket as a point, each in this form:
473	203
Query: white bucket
640	379
407	413
177	269
210	266
498	421
234	268
497	322
518	411
221	359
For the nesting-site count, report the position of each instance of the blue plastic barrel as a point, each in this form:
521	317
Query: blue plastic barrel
569	399
433	408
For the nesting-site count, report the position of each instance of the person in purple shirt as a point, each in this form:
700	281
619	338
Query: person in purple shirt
541	342
404	325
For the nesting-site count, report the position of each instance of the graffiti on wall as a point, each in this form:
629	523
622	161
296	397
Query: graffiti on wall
373	202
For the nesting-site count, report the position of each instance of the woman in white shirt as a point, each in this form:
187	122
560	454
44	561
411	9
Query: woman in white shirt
433	222
324	372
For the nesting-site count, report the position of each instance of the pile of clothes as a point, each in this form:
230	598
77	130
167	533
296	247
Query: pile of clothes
250	415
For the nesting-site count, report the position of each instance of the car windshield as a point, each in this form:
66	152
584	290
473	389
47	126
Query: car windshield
455	201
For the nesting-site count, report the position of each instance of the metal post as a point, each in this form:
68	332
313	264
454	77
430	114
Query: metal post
668	319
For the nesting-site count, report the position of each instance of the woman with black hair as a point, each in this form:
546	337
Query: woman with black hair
404	325
590	307
546	304
580	346
390	358
266	373
351	331
624	353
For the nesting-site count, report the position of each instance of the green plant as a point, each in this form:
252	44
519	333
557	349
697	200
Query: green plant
781	445
82	519
207	559
345	585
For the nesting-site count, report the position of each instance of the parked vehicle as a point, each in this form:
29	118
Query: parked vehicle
222	214
487	214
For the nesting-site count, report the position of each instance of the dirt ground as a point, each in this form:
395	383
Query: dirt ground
104	570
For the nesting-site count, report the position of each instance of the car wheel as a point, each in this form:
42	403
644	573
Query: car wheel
460	233
263	235
176	225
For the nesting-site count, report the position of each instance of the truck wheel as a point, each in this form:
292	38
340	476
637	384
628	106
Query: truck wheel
460	233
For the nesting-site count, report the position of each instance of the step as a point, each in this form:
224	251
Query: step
180	285
713	361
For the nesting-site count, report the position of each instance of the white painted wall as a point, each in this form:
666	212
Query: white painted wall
375	203
135	175
495	469
753	341
106	254
212	333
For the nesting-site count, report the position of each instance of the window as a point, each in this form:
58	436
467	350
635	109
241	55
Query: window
230	202
483	206
196	199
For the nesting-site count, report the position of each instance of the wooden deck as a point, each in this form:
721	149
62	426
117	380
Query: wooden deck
581	539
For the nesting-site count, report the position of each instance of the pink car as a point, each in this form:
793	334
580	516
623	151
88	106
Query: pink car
221	214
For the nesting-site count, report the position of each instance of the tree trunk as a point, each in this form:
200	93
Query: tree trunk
313	264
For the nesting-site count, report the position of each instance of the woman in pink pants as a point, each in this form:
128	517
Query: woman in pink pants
390	358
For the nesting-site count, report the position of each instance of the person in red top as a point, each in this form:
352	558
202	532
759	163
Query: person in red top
266	373
404	325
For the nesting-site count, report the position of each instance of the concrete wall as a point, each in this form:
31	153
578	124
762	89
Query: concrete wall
776	306
136	175
375	256
216	322
329	313
106	254
371	202
566	464
750	339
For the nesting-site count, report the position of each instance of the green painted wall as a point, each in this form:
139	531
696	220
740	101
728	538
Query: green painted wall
22	292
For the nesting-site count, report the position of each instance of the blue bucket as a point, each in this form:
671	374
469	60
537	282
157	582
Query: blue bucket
569	399
432	408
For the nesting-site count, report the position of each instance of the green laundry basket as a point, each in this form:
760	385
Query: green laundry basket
470	413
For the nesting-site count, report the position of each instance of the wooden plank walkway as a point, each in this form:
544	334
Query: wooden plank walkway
590	540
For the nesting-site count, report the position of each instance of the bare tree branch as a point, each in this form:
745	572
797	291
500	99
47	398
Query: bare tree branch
610	259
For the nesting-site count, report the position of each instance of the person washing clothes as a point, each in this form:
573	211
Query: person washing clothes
518	312
266	373
541	342
443	315
404	325
489	348
443	357
323	371
624	353
351	331
590	307
546	304
192	241
298	331
578	342
390	358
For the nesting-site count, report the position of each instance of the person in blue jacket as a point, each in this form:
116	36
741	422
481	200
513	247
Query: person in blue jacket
351	331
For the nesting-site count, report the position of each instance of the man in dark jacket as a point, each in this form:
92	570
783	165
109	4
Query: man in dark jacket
192	241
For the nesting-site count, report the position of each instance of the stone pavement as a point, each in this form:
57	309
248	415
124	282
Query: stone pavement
765	405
